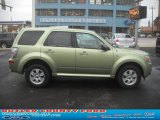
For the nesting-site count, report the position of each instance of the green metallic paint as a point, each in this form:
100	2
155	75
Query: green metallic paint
95	62
64	58
69	62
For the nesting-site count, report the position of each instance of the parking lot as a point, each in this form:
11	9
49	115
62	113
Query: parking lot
80	92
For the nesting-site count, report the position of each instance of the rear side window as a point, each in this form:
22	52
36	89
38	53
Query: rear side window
127	36
120	36
59	39
30	37
5	35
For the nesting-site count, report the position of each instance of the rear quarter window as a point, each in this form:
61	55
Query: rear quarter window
30	37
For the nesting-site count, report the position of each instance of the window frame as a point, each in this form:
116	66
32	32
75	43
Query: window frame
76	44
31	31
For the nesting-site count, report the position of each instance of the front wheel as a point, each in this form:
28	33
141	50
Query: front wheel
37	76
129	76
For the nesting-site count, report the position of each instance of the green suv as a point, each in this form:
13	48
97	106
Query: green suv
42	53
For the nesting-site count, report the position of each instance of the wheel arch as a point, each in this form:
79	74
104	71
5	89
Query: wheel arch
130	63
36	61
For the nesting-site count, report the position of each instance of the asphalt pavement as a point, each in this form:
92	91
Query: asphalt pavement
82	93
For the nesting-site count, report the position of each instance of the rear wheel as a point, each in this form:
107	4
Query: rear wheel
37	76
129	76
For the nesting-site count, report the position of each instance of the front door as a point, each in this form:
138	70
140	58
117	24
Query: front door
90	59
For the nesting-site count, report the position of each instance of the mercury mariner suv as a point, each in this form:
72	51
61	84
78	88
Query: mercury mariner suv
42	53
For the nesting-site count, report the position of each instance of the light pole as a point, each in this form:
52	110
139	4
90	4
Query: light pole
137	23
3	4
152	19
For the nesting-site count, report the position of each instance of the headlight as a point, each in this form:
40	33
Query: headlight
147	59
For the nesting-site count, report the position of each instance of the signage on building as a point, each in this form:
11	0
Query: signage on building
129	22
139	12
72	20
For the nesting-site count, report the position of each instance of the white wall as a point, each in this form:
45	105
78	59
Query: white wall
33	13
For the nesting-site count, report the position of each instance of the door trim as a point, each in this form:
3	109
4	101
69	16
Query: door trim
83	75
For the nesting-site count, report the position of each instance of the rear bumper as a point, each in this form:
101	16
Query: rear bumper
127	46
13	65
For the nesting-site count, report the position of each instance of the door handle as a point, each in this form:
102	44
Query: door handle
83	53
49	51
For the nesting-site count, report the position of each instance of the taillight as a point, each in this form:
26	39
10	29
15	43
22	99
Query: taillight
117	40
134	40
11	62
14	52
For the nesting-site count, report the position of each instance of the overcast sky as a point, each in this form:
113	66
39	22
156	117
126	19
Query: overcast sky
150	4
22	10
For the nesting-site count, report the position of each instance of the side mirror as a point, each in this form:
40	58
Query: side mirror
105	47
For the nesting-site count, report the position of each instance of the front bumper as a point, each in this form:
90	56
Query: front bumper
148	70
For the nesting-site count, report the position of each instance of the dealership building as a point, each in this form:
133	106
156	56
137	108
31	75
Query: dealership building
102	16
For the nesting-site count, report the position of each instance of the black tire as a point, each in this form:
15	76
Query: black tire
29	76
121	76
157	50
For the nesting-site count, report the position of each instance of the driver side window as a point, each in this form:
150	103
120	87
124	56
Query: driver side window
88	41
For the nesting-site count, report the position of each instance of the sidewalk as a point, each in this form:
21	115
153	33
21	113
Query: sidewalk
4	49
147	42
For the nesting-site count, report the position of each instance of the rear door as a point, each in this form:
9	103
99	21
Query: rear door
60	48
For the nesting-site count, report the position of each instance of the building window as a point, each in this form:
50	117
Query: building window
72	12
77	27
102	13
46	1
123	14
101	2
73	1
106	30
121	30
125	2
46	12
